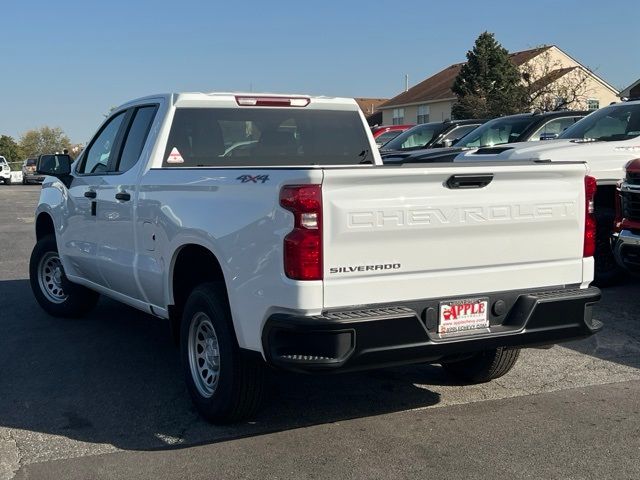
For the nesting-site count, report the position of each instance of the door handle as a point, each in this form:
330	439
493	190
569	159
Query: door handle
469	180
90	194
124	196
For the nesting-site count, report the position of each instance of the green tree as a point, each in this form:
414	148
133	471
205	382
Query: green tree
44	140
9	149
489	84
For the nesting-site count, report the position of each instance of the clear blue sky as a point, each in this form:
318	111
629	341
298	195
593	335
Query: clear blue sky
65	63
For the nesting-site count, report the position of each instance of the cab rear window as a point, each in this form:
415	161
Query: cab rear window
229	137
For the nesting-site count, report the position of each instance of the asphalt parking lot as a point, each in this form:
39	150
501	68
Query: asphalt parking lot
104	397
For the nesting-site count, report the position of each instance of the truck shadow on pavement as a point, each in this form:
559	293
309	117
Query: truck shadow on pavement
619	341
114	378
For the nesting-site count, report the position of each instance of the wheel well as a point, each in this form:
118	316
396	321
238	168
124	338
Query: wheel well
194	265
44	226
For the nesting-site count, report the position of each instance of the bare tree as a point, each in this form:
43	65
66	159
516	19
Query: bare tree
552	86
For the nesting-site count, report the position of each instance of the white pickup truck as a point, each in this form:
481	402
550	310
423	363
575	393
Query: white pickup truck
5	171
607	140
267	230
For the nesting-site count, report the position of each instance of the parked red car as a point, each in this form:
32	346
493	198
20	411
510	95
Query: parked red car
626	229
383	133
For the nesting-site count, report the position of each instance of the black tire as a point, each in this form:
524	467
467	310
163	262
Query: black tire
607	272
484	366
238	390
75	300
7	181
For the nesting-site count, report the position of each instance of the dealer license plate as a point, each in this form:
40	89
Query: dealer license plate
463	316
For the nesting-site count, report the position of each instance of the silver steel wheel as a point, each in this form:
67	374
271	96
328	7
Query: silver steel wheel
204	354
50	273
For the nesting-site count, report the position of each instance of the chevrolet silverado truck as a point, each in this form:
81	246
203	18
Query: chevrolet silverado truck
626	232
302	251
606	139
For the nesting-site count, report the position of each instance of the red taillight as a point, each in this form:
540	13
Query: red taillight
273	101
589	218
303	245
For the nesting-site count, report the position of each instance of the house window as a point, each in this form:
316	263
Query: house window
593	104
423	114
398	116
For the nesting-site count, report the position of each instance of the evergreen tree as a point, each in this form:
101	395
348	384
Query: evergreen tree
489	84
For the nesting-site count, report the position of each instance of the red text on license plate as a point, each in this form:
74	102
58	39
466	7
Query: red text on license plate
457	316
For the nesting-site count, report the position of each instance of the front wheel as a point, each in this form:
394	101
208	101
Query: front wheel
484	366
7	181
225	383
53	291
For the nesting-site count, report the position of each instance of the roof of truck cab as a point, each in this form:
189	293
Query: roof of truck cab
228	99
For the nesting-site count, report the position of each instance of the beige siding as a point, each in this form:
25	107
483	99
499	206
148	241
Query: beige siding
593	89
438	112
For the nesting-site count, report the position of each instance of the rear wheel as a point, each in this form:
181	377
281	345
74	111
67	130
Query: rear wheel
53	291
606	270
225	383
484	366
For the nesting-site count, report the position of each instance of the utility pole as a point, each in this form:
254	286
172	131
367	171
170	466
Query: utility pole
406	82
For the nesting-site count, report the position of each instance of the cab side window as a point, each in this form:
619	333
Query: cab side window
99	153
553	128
136	137
459	132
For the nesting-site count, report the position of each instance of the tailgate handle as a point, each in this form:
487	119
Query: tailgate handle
469	180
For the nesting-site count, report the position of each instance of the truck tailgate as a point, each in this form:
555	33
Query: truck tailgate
396	234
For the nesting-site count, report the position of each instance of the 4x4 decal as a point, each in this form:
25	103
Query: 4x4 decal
253	178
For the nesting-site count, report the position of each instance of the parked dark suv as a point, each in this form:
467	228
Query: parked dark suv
523	127
431	135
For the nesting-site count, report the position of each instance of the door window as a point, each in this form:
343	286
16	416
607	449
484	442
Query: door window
99	153
136	137
459	132
552	129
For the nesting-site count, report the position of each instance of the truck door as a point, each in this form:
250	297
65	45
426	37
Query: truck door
116	205
78	243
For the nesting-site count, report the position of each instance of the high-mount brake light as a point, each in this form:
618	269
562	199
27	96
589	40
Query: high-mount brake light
590	219
273	101
303	245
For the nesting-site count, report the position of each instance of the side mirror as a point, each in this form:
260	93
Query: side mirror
54	165
548	136
448	142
